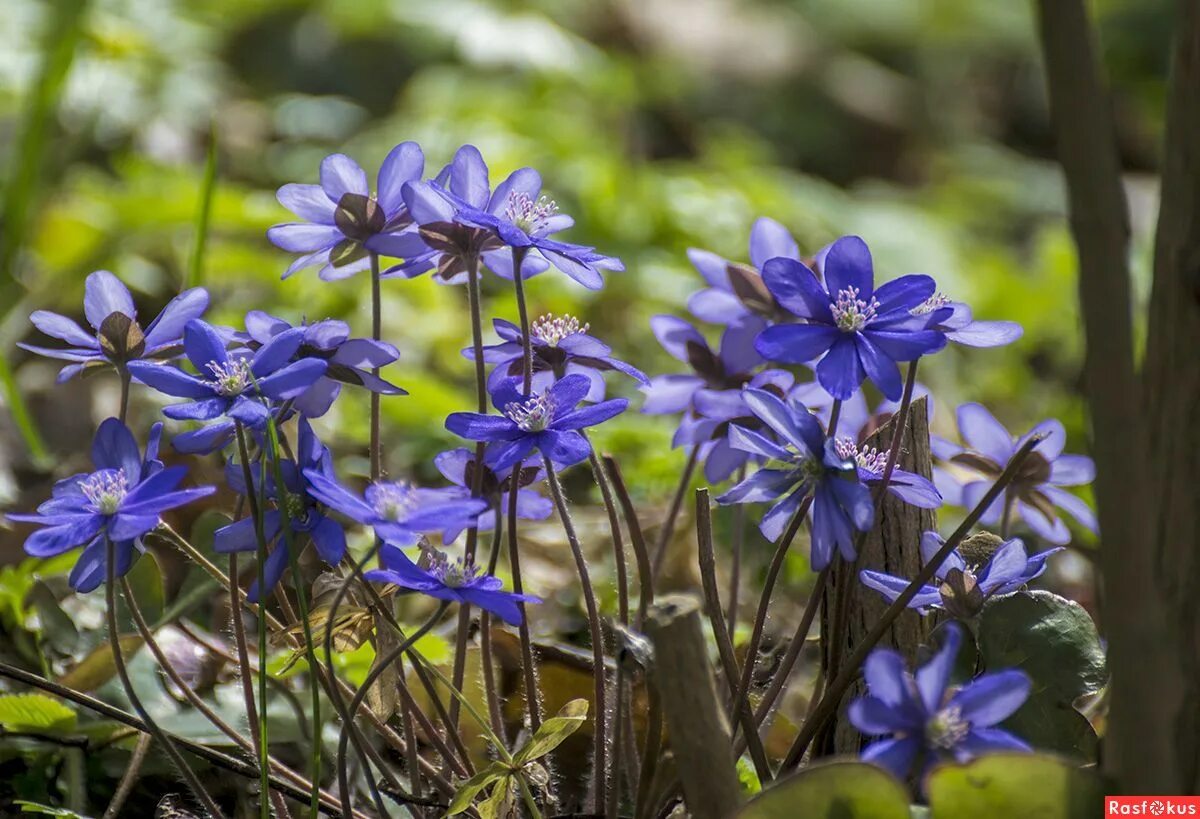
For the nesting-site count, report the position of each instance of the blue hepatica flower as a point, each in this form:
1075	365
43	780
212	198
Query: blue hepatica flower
729	368
349	359
548	422
908	486
452	580
841	504
1036	493
981	567
514	215
121	501
458	466
296	501
926	720
398	512
714	415
861	332
561	347
230	383
116	336
344	222
735	290
955	320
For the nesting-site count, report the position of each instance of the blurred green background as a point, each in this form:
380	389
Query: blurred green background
659	124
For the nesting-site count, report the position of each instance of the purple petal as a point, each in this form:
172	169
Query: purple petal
1073	506
475	426
61	327
453	464
114	447
329	540
738	350
564	448
426	204
105	294
764	485
775	522
302	237
1055	438
892	587
972	495
584	272
276	352
987	740
205	439
768	240
796	343
320	257
755	443
993	697
293	379
276	563
591	416
722	461
848	264
525	181
799	428
882	371
203	345
404	163
334	495
797	289
309	202
666	394
206	409
875	717
363	352
469	177
716	306
1072	470
885	673
170	380
906	345
987	333
57	539
405	245
1053	530
675	335
984	434
341	175
501	454
68	354
933	677
168	326
840	371
904	293
713	268
566	394
894	755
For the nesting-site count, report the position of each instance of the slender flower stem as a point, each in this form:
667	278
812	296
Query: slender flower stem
735	571
123	374
533	697
636	538
485	637
614	525
129	778
360	695
518	259
847	674
475	307
245	671
114	639
739	708
599	768
256	513
376	335
1006	517
760	616
650	753
668	527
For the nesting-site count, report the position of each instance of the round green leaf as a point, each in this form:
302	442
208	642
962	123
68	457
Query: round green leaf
1003	786
35	712
834	790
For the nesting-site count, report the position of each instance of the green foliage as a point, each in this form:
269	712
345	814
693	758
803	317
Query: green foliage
1055	642
833	790
1003	786
35	712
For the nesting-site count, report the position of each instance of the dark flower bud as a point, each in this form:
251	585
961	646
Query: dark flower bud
359	217
978	549
961	595
121	338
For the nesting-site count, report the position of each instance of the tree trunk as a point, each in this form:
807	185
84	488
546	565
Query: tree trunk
1172	389
893	546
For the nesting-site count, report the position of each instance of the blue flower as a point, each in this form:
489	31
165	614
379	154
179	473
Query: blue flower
861	332
729	368
398	512
349	359
515	214
1035	494
909	487
981	567
737	290
458	466
295	500
121	501
841	504
547	422
561	346
344	221
450	580
231	383
117	338
955	320
925	719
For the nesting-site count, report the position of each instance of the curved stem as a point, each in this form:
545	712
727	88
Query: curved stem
614	525
533	699
376	334
636	538
599	768
847	674
1006	517
518	259
129	778
668	527
123	374
485	638
114	638
735	571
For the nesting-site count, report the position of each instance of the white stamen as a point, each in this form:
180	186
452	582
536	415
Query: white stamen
935	302
851	313
947	728
105	490
533	415
232	378
553	330
529	214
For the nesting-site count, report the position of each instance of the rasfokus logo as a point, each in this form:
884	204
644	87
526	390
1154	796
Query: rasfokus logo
1151	806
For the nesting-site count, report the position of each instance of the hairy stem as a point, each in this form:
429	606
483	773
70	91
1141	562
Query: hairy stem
668	527
636	538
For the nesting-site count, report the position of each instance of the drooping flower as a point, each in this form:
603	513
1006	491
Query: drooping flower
925	719
345	222
548	422
909	487
736	290
730	368
811	464
349	359
458	466
857	331
714	415
452	580
295	500
230	383
1035	494
515	215
981	567
398	512
121	501
117	337
561	346
955	320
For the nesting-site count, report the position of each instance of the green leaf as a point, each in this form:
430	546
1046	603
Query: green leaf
493	806
98	667
1007	785
46	810
833	790
1055	642
553	732
35	712
468	789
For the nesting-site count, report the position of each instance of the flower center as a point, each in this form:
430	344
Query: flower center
533	415
947	728
231	378
552	330
294	506
393	501
869	458
935	302
527	213
453	573
851	313
105	490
